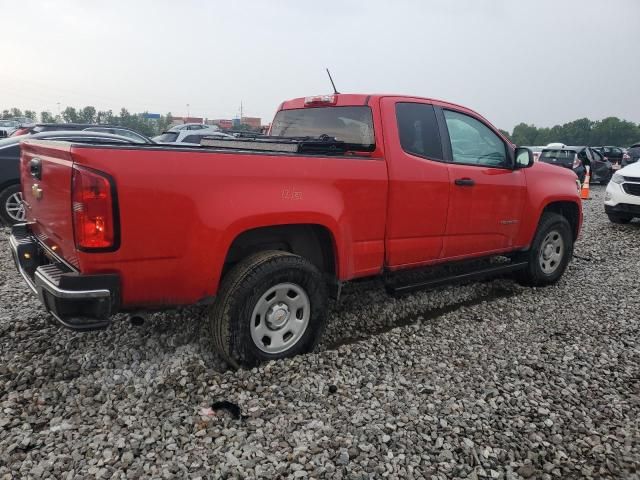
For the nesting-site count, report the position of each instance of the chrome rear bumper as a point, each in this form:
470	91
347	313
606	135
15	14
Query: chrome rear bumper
76	301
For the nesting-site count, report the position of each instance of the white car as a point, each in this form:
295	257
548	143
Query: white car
189	137
622	198
7	127
192	126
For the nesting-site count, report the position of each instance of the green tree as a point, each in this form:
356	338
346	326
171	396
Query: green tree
577	132
613	131
87	115
46	117
16	112
70	115
30	114
524	134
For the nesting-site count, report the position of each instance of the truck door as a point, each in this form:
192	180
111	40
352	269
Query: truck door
418	183
487	195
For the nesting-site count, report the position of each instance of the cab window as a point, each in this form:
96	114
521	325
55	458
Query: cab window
473	143
418	129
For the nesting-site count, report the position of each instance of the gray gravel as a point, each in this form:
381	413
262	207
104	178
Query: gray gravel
489	380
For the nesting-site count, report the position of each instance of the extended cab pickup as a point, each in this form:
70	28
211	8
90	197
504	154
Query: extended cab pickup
264	229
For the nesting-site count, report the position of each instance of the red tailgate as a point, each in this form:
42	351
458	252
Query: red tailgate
45	172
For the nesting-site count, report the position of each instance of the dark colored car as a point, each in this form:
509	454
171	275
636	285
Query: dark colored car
577	158
633	155
617	156
11	207
112	129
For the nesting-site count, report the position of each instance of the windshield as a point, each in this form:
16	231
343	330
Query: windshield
8	123
567	155
352	125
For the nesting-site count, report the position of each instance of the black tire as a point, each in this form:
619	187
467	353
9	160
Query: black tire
533	274
620	219
5	194
244	286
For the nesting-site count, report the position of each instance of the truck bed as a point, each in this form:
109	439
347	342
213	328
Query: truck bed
180	208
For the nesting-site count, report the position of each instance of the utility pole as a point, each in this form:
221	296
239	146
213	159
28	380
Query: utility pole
58	103
188	112
240	111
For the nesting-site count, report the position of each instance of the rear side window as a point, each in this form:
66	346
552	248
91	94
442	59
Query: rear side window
351	125
418	130
168	137
192	139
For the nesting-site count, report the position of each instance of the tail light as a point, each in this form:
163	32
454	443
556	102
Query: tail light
576	162
94	210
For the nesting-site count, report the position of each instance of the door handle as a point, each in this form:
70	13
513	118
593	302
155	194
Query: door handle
465	182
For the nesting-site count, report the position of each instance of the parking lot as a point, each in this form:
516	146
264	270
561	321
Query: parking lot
484	380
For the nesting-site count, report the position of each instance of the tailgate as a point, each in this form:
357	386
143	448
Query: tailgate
45	173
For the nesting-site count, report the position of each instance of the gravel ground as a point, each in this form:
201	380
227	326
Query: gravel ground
489	380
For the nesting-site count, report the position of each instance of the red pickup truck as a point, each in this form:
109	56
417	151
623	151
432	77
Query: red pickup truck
264	229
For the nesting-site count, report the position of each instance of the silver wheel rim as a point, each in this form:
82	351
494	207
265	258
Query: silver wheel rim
280	318
551	252
14	207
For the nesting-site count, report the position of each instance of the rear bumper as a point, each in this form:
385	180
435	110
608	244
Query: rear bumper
76	301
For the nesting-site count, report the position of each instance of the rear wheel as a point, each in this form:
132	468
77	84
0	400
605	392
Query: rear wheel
11	208
271	305
550	251
621	219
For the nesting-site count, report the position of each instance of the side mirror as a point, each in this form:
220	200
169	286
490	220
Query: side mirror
524	158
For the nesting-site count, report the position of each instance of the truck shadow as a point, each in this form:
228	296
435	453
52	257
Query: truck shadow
366	310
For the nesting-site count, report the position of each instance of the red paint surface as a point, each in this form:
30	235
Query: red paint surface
181	210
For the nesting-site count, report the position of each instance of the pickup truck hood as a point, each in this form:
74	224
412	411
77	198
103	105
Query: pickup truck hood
552	169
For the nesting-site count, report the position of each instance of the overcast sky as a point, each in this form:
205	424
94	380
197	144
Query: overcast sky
538	61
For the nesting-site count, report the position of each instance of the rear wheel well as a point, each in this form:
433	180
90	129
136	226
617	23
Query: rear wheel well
568	210
313	242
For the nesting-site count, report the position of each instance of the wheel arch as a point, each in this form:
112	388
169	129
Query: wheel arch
569	210
313	241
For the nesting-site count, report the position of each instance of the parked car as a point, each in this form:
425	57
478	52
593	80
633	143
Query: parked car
576	159
622	198
613	154
192	126
348	186
112	129
11	207
536	150
189	137
633	155
7	127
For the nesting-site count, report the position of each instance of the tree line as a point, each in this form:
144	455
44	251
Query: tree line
608	131
89	114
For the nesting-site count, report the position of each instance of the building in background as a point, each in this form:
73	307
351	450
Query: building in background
222	123
182	120
253	122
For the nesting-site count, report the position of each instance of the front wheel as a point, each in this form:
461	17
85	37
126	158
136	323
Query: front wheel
11	208
550	251
271	305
